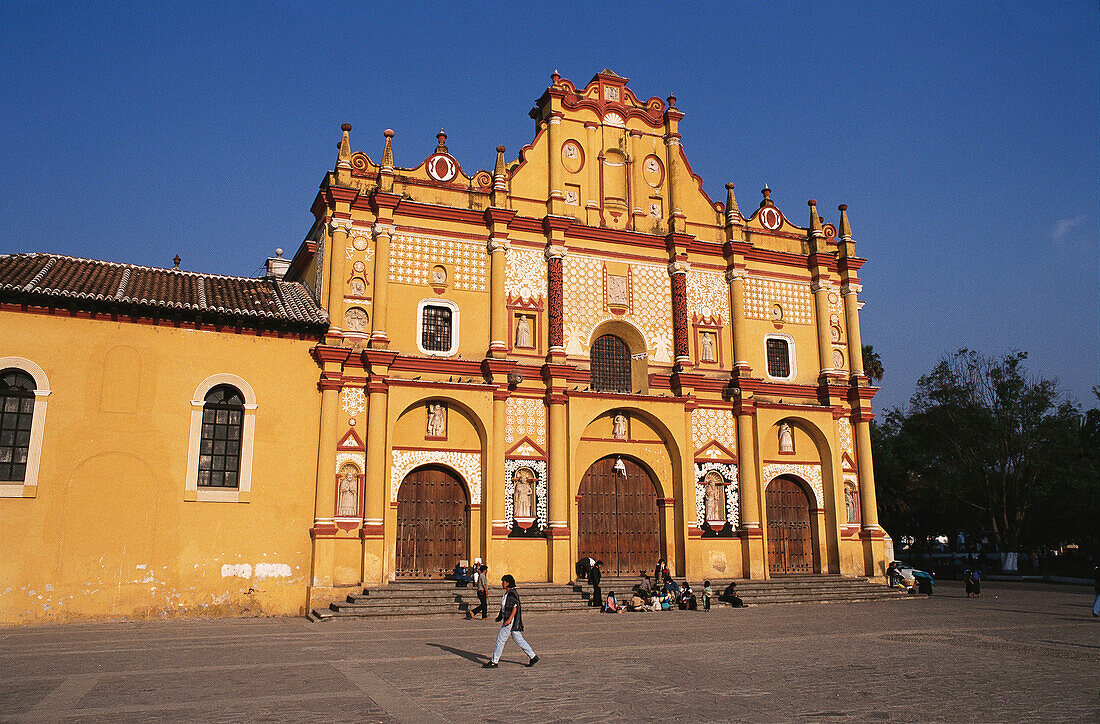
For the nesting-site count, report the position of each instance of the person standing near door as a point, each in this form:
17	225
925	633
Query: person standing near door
511	616
594	577
481	585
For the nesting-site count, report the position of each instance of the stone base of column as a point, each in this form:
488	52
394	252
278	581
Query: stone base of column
374	558
560	564
752	550
874	553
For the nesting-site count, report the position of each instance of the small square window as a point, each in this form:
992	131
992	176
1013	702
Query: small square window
779	358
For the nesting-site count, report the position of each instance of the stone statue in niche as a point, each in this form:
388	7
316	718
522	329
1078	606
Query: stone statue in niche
618	426
437	419
355	319
786	438
523	495
617	292
850	503
347	499
714	497
523	331
706	344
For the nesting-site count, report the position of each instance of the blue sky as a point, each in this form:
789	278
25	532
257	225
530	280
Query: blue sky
963	136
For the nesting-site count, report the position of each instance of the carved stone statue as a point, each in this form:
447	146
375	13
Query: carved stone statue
523	331
617	292
618	428
714	497
348	494
786	438
850	503
524	494
706	344
437	419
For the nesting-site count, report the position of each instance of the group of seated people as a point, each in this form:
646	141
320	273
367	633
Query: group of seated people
652	595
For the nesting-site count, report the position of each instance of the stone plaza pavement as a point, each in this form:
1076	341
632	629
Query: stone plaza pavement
1022	652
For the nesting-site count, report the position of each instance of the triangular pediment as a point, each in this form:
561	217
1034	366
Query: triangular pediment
351	441
715	451
526	448
846	463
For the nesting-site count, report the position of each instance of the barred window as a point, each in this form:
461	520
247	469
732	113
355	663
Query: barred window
610	364
779	358
435	332
16	412
220	445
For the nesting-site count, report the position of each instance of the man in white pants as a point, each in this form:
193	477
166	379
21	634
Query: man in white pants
511	615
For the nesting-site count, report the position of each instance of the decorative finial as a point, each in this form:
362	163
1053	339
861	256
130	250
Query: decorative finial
176	261
733	214
845	231
442	138
499	171
278	253
555	76
344	158
815	220
671	100
387	152
767	197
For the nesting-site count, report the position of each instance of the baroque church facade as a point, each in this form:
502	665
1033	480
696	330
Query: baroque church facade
576	353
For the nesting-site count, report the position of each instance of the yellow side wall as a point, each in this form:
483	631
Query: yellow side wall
109	534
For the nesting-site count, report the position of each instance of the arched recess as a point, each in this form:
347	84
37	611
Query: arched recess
812	464
635	342
433	522
619	516
652	445
460	447
792	528
243	492
28	487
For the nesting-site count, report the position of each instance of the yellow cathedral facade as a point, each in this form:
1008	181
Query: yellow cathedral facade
578	353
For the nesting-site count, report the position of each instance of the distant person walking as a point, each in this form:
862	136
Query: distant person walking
511	616
1096	590
481	584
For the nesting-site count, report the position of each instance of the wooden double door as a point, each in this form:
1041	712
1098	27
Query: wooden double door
790	533
618	520
433	512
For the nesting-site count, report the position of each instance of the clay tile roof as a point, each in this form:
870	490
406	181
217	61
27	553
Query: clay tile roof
88	284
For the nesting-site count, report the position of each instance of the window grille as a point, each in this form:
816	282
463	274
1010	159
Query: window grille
779	358
610	364
435	335
220	445
16	411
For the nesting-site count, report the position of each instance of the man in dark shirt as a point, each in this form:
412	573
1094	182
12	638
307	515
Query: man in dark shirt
594	578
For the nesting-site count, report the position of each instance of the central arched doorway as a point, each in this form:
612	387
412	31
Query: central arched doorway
618	520
432	523
790	534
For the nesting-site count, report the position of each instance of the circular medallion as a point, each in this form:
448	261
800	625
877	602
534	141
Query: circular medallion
771	218
358	267
359	242
834	333
833	298
442	167
439	275
838	359
355	319
653	171
572	157
777	313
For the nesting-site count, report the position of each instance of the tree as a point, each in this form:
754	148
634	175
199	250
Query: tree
987	430
872	363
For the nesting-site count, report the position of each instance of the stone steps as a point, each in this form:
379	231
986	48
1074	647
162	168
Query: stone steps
443	598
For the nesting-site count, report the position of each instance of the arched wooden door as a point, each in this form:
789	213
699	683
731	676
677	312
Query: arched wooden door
790	537
432	523
618	518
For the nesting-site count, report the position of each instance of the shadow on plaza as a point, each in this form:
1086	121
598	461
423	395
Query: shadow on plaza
468	655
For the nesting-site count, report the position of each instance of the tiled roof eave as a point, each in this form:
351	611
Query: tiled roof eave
168	311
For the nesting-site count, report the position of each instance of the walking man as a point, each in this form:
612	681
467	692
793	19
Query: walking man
594	578
481	584
511	615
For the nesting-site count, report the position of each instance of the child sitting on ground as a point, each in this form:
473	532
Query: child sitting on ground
611	605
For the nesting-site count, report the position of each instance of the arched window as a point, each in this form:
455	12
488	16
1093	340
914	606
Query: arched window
16	413
610	364
220	446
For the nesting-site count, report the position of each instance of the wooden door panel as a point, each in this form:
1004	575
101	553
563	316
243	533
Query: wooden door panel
790	539
432	523
617	517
